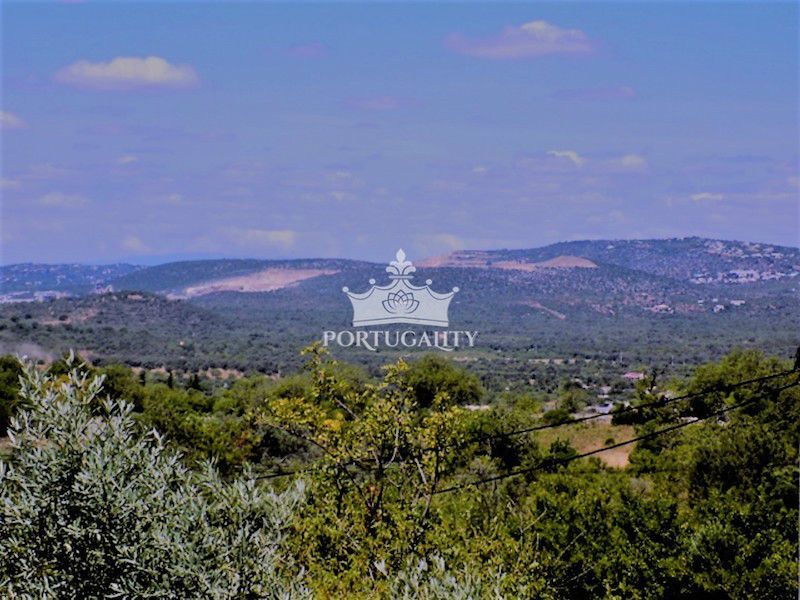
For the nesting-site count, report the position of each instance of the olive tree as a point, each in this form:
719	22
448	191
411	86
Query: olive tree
91	506
381	460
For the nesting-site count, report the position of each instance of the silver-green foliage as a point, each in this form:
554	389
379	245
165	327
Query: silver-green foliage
431	580
92	507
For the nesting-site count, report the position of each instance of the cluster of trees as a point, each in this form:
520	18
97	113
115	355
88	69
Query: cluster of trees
329	483
260	332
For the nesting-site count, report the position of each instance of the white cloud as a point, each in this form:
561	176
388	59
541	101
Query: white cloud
633	162
571	155
313	50
61	200
123	73
127	159
166	199
343	196
9	184
45	172
284	238
448	240
530	40
707	197
596	94
381	103
10	121
617	216
341	175
437	243
133	243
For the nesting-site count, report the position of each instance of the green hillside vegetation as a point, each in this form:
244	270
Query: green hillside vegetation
386	507
70	278
679	258
518	346
640	292
176	275
639	305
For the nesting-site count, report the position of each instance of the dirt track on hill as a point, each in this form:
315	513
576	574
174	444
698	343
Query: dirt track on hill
262	281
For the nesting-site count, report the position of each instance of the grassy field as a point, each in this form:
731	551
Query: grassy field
589	436
5	448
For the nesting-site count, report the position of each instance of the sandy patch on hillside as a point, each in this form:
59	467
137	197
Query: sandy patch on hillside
559	262
616	457
220	373
79	316
475	259
442	260
480	260
262	281
549	311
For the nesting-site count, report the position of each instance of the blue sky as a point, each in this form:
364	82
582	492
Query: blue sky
150	131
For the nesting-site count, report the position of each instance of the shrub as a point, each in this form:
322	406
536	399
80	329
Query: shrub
10	371
557	415
92	507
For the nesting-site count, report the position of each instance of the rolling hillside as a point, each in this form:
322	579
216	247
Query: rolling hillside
196	278
691	260
28	281
697	260
612	305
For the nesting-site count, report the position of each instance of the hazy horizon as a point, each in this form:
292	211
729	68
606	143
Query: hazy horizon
155	260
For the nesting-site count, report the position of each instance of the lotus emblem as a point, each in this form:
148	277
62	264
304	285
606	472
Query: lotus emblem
400	303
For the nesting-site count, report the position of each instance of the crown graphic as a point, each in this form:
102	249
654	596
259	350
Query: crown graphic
400	301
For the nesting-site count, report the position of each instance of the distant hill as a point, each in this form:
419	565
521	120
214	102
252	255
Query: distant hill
23	281
132	327
614	303
200	277
692	260
697	260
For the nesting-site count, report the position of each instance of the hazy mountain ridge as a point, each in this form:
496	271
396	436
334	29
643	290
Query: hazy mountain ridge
698	260
691	260
25	280
177	276
620	305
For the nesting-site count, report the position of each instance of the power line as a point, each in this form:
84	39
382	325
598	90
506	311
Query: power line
637	474
634	473
282	474
662	401
562	461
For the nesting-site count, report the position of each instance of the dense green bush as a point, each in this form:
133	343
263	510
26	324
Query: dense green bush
432	375
10	371
91	507
94	506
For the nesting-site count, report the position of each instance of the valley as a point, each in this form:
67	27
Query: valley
590	310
